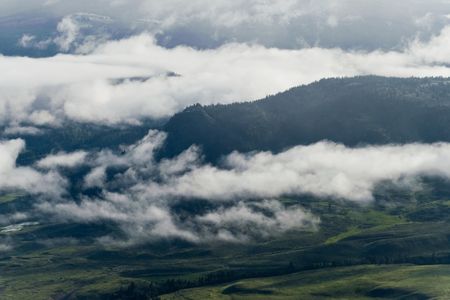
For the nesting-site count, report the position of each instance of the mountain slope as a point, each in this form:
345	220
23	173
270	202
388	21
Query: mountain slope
352	111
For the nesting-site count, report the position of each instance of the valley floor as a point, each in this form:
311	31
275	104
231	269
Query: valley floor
361	282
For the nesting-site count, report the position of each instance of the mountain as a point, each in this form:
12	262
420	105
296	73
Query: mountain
352	111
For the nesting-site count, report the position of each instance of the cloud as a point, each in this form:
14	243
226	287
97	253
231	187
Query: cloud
95	178
100	87
27	40
30	41
7	219
144	218
13	177
5	247
323	170
349	24
79	33
142	221
141	195
22	130
141	154
266	218
62	159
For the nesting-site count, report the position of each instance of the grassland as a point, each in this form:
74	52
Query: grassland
9	198
357	252
361	282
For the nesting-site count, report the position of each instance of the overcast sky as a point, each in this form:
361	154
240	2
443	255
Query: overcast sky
360	24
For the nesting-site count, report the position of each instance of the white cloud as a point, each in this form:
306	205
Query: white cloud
323	170
51	2
143	220
144	217
141	196
243	220
27	40
225	13
13	177
22	130
332	21
30	41
95	178
13	218
42	117
80	32
140	154
349	24
4	247
62	159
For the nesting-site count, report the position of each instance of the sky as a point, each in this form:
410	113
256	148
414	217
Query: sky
361	24
120	62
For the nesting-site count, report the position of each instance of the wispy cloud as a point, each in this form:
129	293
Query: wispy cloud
62	159
14	177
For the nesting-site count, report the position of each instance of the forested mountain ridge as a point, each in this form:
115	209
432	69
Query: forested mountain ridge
353	111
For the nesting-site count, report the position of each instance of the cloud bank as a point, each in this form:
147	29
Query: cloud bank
128	80
323	170
240	198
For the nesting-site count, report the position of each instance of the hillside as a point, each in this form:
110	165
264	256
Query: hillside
363	282
352	111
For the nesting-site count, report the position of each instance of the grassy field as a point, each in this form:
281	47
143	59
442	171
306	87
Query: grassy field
361	282
9	198
53	261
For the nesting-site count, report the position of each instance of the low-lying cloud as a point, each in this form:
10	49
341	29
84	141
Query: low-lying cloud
324	169
14	178
144	220
142	194
68	160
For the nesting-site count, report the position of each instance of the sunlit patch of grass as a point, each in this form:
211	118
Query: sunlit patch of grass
10	197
